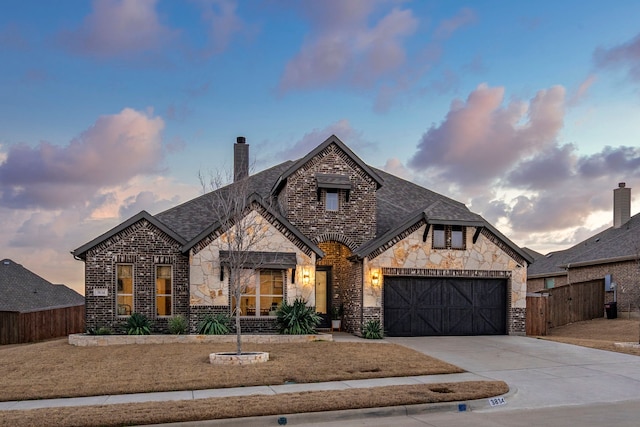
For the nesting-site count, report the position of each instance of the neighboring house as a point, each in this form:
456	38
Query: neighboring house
33	309
340	234
611	256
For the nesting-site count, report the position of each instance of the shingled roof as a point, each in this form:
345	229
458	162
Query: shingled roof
398	202
610	245
24	291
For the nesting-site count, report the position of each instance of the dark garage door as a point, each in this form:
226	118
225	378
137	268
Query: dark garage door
444	306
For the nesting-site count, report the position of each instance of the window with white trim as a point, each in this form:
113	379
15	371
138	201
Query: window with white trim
124	290
164	279
264	293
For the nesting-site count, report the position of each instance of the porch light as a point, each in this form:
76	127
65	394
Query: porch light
305	278
375	278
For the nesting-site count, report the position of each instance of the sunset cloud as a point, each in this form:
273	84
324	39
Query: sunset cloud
222	22
507	163
113	150
119	28
344	47
481	139
625	55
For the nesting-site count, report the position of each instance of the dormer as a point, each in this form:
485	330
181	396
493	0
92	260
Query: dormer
330	190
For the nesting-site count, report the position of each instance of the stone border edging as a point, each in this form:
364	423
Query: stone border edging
83	340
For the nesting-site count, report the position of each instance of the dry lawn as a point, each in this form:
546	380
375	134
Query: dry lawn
56	369
599	333
247	406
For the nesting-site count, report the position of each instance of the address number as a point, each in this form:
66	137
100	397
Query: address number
497	401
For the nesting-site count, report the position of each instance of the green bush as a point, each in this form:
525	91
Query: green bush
296	318
372	330
214	324
138	324
177	325
102	330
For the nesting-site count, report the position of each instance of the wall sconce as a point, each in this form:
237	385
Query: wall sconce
305	278
375	278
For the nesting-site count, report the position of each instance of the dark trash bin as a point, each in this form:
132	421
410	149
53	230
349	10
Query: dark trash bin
611	309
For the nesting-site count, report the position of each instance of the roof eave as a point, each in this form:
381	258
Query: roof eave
82	250
600	261
331	140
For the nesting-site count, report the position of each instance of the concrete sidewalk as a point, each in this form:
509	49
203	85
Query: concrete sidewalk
238	391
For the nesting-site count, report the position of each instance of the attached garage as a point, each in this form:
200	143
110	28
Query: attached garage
419	306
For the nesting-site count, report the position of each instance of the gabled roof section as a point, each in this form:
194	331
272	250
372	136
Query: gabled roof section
438	213
610	245
143	215
281	181
24	291
190	218
256	199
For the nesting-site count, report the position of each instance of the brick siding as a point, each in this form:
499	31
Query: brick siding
144	246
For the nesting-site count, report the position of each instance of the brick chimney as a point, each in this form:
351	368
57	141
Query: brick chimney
621	205
240	159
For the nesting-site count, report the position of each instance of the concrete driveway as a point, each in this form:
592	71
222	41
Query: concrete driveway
542	373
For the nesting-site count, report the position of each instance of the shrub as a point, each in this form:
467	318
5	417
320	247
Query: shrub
296	318
372	330
102	330
177	325
138	324
214	324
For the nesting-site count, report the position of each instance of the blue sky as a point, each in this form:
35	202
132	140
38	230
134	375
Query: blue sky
529	112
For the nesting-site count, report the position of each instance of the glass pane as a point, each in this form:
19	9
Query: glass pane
456	239
321	292
332	201
125	279
248	305
268	305
438	238
163	279
125	305
271	282
163	305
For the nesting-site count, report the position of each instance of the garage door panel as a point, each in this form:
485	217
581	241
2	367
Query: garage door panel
459	321
431	295
460	293
429	322
399	321
444	306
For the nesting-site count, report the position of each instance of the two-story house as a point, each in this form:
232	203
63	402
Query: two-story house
338	233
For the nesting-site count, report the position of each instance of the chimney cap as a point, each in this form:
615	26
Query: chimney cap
621	184
241	140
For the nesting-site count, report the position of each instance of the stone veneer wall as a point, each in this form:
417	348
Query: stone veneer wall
208	290
626	275
144	246
355	219
413	255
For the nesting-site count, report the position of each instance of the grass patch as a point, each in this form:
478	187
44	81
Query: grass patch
599	333
247	406
55	369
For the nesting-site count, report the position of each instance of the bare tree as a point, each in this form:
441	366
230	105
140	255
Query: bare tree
241	231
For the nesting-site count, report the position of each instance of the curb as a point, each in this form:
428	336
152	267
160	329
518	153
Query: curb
346	414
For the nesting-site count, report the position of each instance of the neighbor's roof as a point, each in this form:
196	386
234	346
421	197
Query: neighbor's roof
610	245
24	291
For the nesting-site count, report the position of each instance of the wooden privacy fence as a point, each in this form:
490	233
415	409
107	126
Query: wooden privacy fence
16	328
564	304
